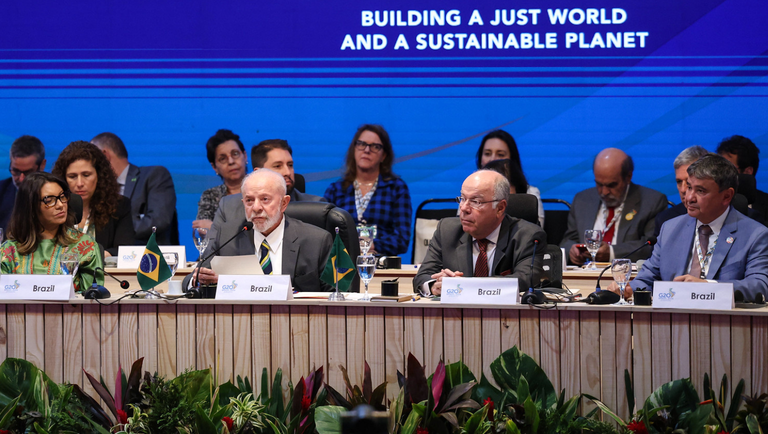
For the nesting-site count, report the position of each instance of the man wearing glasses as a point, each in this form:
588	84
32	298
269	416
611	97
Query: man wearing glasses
483	241
27	157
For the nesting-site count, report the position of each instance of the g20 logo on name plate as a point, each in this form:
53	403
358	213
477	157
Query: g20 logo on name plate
12	288
666	296
454	291
229	288
130	257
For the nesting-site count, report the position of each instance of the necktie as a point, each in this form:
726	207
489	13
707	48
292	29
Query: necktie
266	263
481	266
608	235
704	233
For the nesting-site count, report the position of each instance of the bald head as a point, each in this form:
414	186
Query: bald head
613	173
485	202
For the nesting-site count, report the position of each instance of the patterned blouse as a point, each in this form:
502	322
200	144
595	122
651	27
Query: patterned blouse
209	202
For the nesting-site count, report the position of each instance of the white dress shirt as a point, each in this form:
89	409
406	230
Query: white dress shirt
490	250
275	241
121	179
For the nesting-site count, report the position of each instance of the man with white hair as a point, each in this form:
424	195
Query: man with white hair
483	241
283	245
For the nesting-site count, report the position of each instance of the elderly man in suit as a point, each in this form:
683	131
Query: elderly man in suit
284	245
624	211
150	189
713	242
483	240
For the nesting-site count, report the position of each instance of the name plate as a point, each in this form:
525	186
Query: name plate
129	256
693	295
52	287
254	287
479	290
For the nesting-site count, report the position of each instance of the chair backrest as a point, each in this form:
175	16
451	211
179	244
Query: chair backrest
747	187
553	267
523	206
740	203
555	221
425	225
299	183
329	217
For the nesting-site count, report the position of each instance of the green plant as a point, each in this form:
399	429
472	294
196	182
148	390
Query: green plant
356	396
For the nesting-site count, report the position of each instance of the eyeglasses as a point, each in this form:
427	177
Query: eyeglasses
224	158
17	173
361	145
50	201
474	203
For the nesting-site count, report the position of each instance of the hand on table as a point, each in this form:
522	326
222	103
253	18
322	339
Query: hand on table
206	276
438	286
603	253
614	287
578	254
687	278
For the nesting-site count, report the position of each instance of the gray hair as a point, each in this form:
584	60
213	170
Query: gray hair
689	155
500	185
261	173
716	168
25	146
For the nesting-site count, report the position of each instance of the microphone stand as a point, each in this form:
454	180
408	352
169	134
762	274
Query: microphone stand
533	296
195	292
608	297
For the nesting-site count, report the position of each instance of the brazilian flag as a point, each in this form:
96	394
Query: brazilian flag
342	263
152	269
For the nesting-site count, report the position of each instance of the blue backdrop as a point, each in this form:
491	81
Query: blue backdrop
566	79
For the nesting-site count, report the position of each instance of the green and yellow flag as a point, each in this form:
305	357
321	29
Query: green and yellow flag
343	265
152	268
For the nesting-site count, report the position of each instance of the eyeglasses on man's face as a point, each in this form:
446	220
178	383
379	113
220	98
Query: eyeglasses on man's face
50	201
361	145
474	203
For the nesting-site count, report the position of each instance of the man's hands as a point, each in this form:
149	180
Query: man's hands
202	224
579	254
438	286
687	278
614	287
207	276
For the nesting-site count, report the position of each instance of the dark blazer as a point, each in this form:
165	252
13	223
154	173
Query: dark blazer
642	204
7	199
451	248
118	230
668	214
743	261
153	202
760	205
305	247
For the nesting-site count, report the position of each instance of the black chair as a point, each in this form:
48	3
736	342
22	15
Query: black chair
299	183
553	268
555	221
524	206
425	224
329	217
747	187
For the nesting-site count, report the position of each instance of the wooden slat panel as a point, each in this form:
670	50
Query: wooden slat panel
590	357
205	344
530	333
642	356
550	346
375	351
241	337
129	335
225	359
681	343
492	327
414	337
281	343
35	325
701	349
73	344
472	349
451	336
3	334
147	337
624	361
661	343
393	339
17	341
110	345
356	344
299	343
720	326
318	338
741	352
91	345
261	330
759	344
608	369
186	345
337	346
167	359
54	339
433	338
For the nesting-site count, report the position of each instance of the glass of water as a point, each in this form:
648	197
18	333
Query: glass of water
621	270
172	259
200	237
70	262
593	239
366	235
366	267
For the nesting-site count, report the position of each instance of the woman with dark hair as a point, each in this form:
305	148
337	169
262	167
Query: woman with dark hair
106	213
42	230
371	193
227	156
500	145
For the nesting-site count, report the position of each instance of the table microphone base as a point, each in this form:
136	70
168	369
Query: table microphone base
603	297
533	297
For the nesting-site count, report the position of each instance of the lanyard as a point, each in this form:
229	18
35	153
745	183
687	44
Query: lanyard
362	201
87	223
704	259
616	212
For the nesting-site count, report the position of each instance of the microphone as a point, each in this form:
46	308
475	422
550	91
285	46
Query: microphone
123	283
533	296
608	297
96	291
194	292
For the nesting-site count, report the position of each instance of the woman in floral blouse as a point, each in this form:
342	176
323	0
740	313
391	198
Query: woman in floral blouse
42	229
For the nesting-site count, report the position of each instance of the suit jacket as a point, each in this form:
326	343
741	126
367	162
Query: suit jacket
643	203
7	200
305	247
153	202
668	214
451	248
119	229
743	261
760	204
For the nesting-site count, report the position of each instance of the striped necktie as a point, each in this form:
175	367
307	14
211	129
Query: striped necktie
266	263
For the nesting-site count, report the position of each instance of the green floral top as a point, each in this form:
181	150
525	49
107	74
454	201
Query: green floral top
45	260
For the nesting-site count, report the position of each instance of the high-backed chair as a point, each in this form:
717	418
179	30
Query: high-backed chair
299	183
555	221
327	216
523	206
425	225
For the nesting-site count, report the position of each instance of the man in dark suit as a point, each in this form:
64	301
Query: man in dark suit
743	153
290	246
277	155
483	240
713	242
624	211
682	161
150	189
27	156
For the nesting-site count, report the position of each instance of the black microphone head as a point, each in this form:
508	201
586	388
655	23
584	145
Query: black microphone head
97	291
124	284
603	297
738	296
651	240
760	298
248	226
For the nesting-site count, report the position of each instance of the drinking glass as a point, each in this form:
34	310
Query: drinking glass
621	270
172	259
366	235
366	266
70	262
200	237
593	239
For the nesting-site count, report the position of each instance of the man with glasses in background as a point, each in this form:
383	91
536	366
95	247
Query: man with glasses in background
483	241
27	157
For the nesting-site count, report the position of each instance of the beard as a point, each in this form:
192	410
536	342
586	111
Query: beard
264	225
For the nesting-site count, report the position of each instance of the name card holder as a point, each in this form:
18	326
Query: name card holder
480	290
693	295
128	257
254	287
51	287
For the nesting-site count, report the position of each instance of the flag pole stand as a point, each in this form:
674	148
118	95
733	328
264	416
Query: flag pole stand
336	295
152	292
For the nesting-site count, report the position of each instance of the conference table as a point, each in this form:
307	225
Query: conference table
582	348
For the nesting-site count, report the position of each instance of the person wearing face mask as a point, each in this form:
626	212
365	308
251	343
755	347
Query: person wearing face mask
623	211
27	157
42	230
227	156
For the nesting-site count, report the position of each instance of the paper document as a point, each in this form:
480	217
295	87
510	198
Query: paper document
246	265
